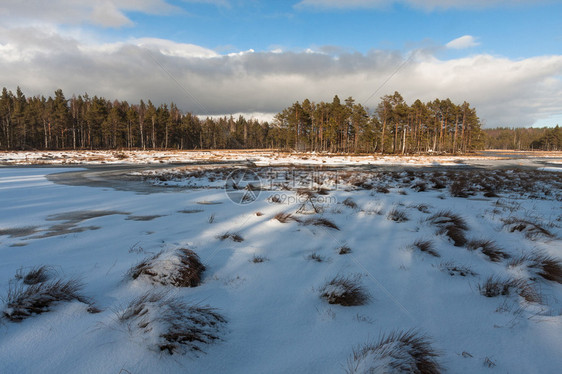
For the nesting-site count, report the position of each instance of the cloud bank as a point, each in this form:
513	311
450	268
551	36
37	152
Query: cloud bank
200	80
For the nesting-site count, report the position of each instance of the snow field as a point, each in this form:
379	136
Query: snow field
276	319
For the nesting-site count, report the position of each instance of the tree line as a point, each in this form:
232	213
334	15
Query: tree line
394	127
84	122
544	138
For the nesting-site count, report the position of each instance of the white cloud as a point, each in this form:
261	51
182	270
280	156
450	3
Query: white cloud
463	42
504	91
170	48
420	4
107	13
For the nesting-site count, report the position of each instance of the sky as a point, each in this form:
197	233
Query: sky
252	57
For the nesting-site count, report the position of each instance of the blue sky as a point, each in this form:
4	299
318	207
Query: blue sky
518	31
216	57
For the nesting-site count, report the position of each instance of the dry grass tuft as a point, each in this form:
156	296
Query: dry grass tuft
455	234
549	267
425	246
419	186
323	192
35	275
170	325
382	189
397	215
447	217
258	259
422	208
545	266
344	249
400	352
348	202
489	363
316	257
308	193
438	184
453	269
321	222
496	286
346	291
286	217
23	302
528	292
451	225
235	237
488	248
179	268
459	188
532	230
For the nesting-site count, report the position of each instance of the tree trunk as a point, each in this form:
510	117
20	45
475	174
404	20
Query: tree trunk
456	132
382	134
153	133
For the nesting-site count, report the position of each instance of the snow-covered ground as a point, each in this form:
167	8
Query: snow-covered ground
269	261
258	157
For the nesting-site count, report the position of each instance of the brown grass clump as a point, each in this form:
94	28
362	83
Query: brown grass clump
446	217
422	208
496	286
316	257
549	267
455	234
304	192
321	222
400	352
382	189
344	249
545	266
397	215
488	248
37	274
348	202
170	325
419	186
259	259
235	237
451	225
323	191
459	188
179	268
23	302
532	230
438	184
346	291
286	217
425	246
